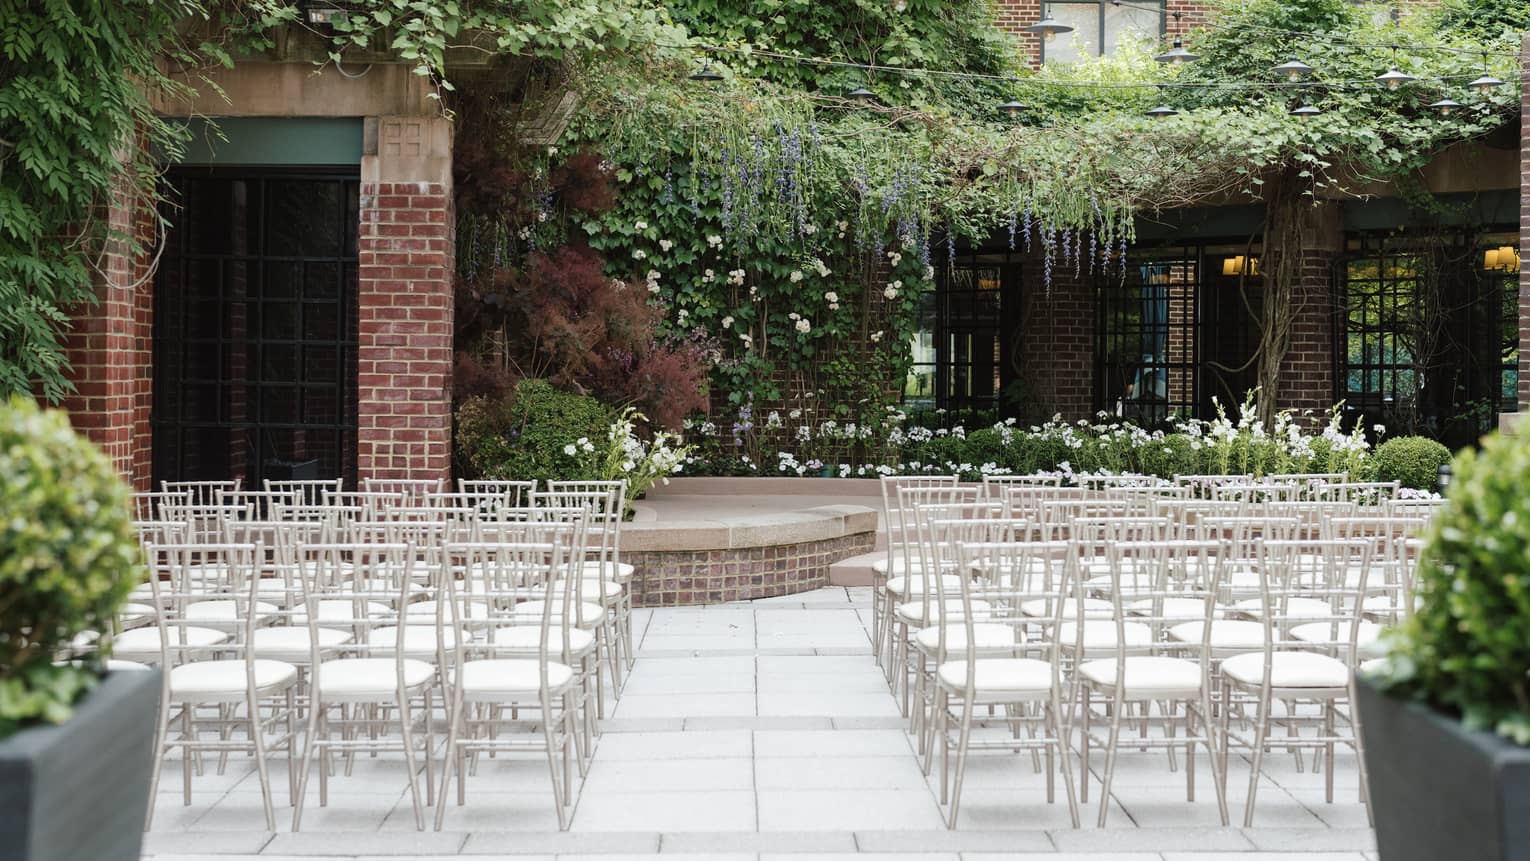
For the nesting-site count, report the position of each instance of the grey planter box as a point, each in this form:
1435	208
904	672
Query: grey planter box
1439	790
80	791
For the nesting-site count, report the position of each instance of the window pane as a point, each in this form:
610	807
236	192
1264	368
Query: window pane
1084	41
1124	23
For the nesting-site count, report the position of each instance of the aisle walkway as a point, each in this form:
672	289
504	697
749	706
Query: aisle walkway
765	731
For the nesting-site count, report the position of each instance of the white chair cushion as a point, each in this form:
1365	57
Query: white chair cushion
1101	634
525	638
621	573
998	677
986	636
509	677
369	677
342	611
919	613
419	640
1169	608
227	679
901	585
135	611
224	612
1147	676
1289	670
1043	608
1225	633
424	612
598	590
292	644
1367	638
145	641
113	665
588	614
1295	608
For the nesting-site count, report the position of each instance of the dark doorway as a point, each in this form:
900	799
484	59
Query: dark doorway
255	321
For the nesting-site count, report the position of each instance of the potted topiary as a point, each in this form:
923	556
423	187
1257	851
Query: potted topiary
76	744
1446	716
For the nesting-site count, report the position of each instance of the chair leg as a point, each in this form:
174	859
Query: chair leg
964	738
1111	749
406	729
453	730
258	744
161	728
1261	732
315	707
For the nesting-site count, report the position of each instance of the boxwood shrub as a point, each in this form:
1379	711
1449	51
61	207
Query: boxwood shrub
1414	461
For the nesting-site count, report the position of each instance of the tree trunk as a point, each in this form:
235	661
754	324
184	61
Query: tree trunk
1281	267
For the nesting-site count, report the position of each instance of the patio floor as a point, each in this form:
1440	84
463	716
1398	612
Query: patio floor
765	731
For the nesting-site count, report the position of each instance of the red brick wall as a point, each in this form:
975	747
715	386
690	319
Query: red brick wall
1057	334
109	348
404	358
1307	372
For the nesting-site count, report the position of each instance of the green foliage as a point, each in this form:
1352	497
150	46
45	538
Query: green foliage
1467	647
537	432
68	559
75	124
1414	461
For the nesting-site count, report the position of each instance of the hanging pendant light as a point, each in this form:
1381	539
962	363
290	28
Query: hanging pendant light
1012	109
1048	28
1444	107
1161	112
861	95
1394	78
1485	84
1306	111
1293	69
706	74
1177	55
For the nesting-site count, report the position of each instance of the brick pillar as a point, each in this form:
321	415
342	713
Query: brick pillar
109	347
404	355
1057	333
1307	372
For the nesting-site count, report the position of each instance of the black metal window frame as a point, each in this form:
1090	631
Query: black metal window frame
1097	48
967	321
1147	342
1373	360
342	385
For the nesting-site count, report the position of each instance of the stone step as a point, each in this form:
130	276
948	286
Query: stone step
854	571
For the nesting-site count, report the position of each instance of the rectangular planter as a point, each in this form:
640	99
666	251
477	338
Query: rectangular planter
1439	790
80	791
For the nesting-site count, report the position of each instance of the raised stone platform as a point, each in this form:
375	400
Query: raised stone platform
709	541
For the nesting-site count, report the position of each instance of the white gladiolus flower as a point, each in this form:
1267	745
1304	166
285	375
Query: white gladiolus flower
804	326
